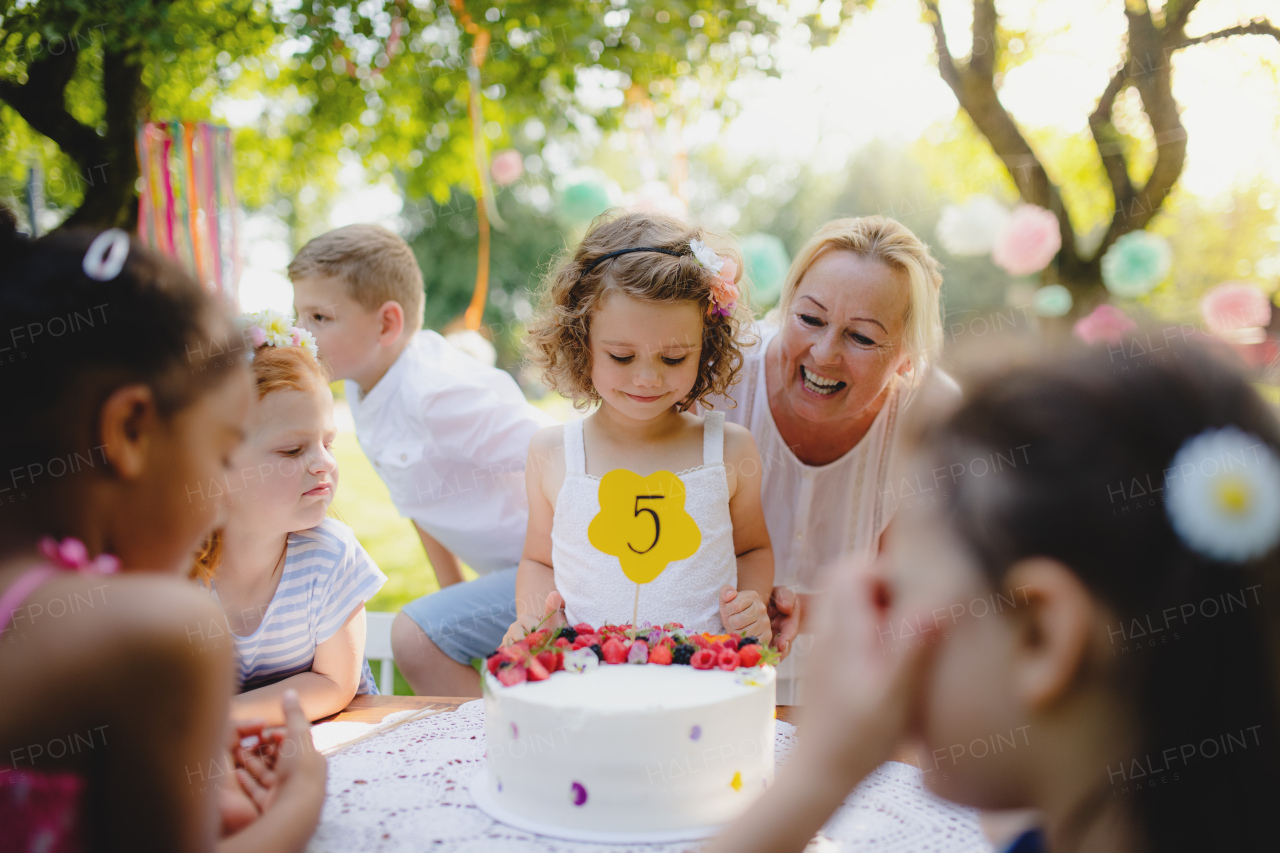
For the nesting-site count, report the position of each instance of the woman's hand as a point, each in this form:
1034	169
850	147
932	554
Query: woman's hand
552	618
785	613
743	611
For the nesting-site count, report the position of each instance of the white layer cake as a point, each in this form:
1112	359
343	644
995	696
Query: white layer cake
631	748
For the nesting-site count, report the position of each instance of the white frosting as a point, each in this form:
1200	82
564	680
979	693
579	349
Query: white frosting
632	748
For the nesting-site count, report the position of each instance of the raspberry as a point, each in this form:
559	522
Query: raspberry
660	654
703	659
727	660
512	674
731	643
748	641
567	633
615	651
749	655
683	653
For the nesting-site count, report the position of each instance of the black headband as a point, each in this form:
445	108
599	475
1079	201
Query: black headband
603	258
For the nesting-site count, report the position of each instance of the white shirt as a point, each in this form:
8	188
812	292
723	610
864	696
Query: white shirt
449	436
816	513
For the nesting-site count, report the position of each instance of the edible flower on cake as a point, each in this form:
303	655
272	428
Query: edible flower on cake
582	647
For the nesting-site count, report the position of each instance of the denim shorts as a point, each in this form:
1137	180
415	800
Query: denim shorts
468	620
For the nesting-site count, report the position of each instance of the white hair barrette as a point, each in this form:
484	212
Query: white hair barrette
106	255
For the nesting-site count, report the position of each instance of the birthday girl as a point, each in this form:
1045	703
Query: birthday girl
645	319
292	583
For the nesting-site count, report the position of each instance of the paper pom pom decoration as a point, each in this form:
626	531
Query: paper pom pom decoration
1028	242
1238	311
767	263
583	201
973	227
1053	300
1135	263
507	167
1105	324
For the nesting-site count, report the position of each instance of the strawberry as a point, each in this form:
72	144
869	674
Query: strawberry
584	628
512	675
495	660
727	660
548	660
749	655
703	659
700	641
535	639
536	671
718	646
563	643
516	651
615	651
661	654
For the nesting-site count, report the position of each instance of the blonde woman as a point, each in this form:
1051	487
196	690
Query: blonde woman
848	349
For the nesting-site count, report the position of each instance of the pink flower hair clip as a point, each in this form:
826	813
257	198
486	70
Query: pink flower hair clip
724	291
72	554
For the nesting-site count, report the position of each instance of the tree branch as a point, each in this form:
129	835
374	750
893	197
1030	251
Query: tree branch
1260	27
41	101
975	89
1107	140
1177	16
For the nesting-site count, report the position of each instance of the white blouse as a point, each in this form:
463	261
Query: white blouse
816	513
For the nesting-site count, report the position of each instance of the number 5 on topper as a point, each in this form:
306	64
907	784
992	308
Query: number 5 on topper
643	522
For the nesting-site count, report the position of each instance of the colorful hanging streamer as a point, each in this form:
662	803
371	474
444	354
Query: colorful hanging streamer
187	207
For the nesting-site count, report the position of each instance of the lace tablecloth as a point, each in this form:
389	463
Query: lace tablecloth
406	790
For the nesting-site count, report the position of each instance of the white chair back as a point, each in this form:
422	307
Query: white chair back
377	647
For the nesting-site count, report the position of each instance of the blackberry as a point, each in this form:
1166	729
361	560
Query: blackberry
748	641
599	652
566	632
683	653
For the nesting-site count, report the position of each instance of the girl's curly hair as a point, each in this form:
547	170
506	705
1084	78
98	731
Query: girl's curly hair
558	336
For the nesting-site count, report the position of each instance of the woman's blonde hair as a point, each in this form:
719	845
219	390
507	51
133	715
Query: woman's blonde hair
558	337
891	243
274	369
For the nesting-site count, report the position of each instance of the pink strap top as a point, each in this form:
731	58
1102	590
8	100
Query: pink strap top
42	810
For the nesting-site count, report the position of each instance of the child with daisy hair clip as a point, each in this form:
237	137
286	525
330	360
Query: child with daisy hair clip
644	318
1093	633
291	581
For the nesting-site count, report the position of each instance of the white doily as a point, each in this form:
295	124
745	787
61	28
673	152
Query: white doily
406	790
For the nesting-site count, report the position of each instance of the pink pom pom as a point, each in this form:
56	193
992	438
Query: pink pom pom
1233	306
507	167
1106	324
258	335
296	337
1028	242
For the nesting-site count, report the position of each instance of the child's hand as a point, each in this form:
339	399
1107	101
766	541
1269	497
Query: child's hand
785	613
857	711
551	619
299	766
743	611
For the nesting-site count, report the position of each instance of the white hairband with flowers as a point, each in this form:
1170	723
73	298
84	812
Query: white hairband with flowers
1223	495
724	290
274	329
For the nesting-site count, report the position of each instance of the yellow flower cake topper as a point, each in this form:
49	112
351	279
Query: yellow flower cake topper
643	522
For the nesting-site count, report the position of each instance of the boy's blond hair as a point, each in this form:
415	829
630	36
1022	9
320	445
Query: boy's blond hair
374	264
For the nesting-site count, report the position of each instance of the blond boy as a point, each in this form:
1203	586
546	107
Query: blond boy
447	434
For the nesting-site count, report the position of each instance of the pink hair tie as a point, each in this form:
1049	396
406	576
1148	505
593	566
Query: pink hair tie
72	554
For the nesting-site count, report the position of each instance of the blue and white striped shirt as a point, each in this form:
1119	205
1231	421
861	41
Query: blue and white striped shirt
326	575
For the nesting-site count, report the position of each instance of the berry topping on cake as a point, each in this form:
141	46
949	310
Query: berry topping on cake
749	655
703	659
536	671
726	660
512	674
599	650
683	653
748	641
660	654
638	653
567	633
615	651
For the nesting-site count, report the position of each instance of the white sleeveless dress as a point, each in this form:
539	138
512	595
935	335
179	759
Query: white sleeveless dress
688	591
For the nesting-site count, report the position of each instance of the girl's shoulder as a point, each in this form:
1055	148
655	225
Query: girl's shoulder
547	446
331	542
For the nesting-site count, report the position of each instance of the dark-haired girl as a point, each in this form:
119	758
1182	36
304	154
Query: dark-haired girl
1090	632
123	389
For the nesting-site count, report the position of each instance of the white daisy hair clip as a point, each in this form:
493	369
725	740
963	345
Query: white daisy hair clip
1223	495
274	329
106	255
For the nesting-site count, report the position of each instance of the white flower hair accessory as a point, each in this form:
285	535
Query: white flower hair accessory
724	290
272	328
106	255
1223	495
